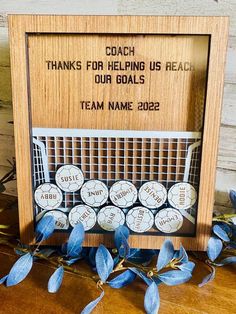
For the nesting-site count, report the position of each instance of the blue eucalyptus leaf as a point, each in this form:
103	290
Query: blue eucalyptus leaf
214	248
45	228
20	270
165	255
64	248
139	256
134	252
124	249
92	254
72	260
189	266
156	280
89	308
19	252
226	227
232	196
104	262
175	277
122	280
3	279
116	260
152	299
176	255
120	232
55	280
146	257
76	238
142	275
183	256
146	263
227	260
221	233
208	278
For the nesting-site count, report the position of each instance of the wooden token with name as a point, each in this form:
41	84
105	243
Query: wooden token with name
69	178
48	196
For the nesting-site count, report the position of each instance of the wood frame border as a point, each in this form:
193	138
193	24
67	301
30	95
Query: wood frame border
216	27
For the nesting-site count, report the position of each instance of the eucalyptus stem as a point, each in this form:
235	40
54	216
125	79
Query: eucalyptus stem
52	262
119	266
122	265
230	251
143	268
66	267
224	217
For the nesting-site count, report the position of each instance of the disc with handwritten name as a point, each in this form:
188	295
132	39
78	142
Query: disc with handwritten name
182	195
61	220
110	217
84	214
69	178
152	194
48	196
168	220
94	193
139	219
123	194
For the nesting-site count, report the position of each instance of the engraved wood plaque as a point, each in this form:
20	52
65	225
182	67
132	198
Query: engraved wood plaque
134	98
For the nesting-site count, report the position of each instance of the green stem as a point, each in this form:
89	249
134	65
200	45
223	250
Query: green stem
223	217
143	268
52	262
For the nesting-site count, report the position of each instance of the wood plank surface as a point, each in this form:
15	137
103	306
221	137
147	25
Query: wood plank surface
216	297
190	7
227	148
75	293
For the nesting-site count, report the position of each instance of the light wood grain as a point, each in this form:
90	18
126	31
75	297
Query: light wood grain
190	7
176	108
181	299
184	25
103	7
230	73
227	148
124	7
225	181
229	106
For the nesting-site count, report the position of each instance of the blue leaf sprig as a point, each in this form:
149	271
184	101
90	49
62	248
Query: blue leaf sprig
122	265
116	268
221	248
23	265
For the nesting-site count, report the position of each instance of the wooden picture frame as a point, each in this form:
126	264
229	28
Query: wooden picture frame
35	37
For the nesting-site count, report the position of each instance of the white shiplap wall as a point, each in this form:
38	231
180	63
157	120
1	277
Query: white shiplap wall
226	170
